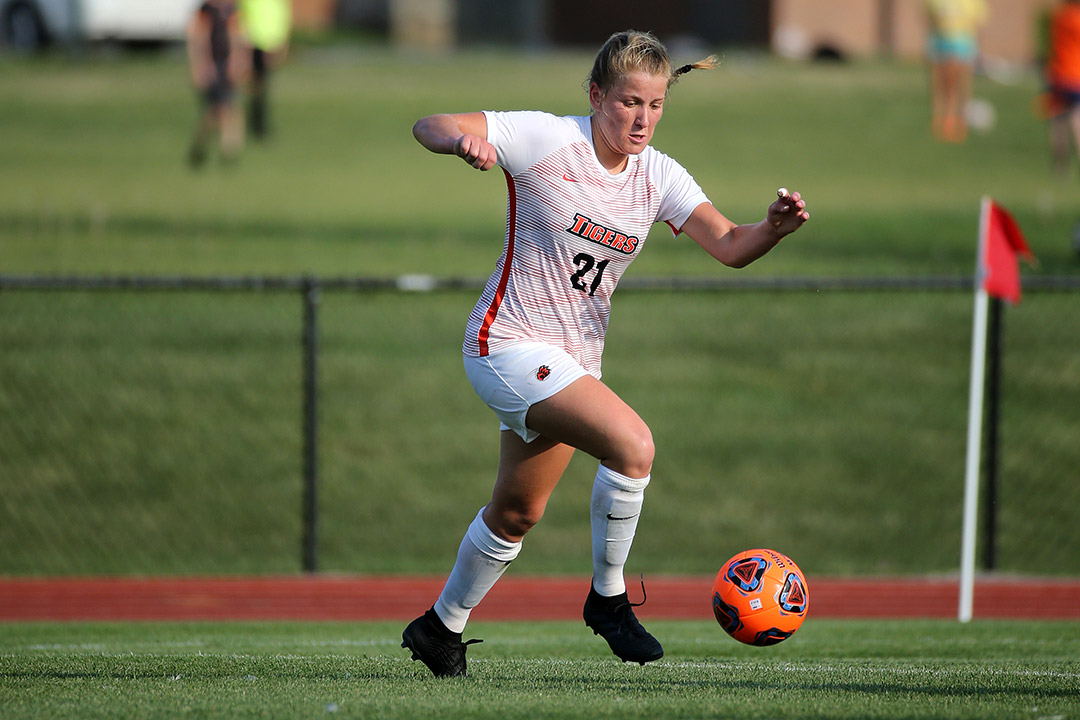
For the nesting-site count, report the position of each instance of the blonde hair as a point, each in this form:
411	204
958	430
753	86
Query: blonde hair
633	51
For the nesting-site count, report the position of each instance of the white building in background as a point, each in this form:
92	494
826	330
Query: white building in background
29	24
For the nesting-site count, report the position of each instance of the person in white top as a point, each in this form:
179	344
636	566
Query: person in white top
582	195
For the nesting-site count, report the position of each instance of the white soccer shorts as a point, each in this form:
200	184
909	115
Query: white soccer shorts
513	379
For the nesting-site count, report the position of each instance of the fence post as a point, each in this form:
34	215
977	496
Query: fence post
309	519
993	422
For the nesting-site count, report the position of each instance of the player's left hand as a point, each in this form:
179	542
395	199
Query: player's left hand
788	213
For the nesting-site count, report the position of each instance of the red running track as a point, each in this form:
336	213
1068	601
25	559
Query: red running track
355	598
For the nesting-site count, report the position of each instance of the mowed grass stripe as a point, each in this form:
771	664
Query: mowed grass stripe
846	669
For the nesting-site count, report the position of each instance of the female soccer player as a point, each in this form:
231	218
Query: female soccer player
583	193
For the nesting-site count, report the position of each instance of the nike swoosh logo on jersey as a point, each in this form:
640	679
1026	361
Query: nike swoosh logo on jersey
567	178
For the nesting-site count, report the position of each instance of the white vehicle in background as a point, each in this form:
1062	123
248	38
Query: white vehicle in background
28	25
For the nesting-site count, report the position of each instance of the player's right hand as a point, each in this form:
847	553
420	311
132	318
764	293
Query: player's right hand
476	151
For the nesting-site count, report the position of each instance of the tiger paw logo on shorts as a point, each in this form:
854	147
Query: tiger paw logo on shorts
542	372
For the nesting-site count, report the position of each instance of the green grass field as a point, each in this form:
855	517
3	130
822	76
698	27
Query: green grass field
165	438
829	669
99	184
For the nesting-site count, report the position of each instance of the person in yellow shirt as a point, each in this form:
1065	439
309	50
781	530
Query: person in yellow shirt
952	47
267	25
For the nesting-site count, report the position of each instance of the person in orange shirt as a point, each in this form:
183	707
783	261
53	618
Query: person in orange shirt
1063	82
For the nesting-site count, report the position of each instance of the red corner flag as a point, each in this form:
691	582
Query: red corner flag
999	246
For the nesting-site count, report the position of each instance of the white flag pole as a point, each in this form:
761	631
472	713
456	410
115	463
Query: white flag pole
974	438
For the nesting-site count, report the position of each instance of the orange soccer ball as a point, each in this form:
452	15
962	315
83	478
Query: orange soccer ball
760	597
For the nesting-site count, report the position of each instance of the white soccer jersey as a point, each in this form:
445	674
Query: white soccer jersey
572	229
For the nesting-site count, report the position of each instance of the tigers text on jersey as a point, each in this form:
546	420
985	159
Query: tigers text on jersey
572	229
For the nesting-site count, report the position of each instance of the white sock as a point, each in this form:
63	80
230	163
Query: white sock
616	506
482	557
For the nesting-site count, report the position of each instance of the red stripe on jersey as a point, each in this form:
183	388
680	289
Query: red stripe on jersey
500	292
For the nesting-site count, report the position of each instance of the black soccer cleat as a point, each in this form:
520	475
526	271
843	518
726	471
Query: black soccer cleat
613	619
436	646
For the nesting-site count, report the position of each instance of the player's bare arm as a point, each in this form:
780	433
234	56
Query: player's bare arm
463	134
739	245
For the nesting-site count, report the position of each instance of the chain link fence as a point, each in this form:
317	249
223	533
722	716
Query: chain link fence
266	426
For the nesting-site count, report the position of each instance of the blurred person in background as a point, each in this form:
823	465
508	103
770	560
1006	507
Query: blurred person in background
217	62
583	192
1063	84
952	47
266	25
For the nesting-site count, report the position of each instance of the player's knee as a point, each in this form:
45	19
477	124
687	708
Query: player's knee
514	523
636	453
521	523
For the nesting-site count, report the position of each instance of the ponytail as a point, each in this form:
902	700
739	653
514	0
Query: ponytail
708	63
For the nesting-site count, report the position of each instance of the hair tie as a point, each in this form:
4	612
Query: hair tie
683	70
